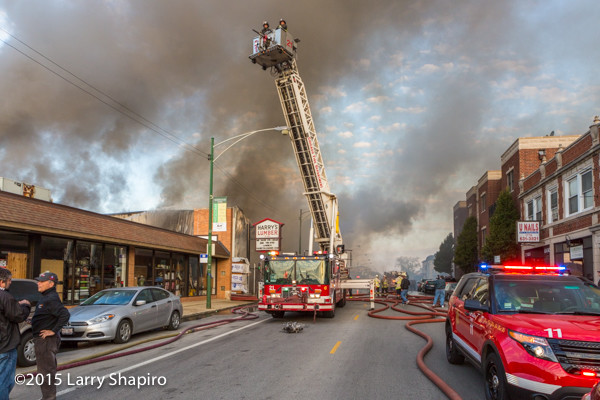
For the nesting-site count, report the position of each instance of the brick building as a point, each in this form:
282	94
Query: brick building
562	193
90	252
522	161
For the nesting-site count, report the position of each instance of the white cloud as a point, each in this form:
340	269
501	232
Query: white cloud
341	151
356	107
372	86
326	109
378	99
375	118
411	110
345	134
428	69
332	91
362	145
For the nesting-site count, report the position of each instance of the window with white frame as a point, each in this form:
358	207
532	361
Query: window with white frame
534	209
552	205
510	179
482	203
579	193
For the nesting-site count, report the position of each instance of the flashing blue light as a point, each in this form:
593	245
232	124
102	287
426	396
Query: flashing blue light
483	266
562	268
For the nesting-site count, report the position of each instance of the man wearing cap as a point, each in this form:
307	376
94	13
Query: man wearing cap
50	316
11	313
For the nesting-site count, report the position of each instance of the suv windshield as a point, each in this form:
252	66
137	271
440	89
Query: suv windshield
551	296
303	271
110	298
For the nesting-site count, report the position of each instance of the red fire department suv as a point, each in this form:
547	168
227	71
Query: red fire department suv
534	332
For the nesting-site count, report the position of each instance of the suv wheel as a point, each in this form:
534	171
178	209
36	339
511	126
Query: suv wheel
453	355
26	351
495	378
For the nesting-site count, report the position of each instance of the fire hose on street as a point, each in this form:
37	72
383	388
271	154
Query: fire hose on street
415	317
116	353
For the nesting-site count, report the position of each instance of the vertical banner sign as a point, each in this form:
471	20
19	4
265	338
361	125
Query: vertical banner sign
219	214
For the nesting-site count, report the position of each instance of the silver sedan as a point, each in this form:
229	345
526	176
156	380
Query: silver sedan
116	314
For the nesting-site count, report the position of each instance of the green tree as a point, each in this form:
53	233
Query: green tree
502	239
465	253
444	256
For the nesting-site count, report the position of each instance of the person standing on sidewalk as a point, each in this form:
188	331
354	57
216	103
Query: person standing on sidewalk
50	316
11	313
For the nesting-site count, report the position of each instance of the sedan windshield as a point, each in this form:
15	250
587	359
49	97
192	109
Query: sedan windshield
551	296
110	297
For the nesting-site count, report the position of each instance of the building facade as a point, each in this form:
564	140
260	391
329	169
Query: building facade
90	252
563	195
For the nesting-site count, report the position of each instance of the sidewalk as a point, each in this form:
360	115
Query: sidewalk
196	308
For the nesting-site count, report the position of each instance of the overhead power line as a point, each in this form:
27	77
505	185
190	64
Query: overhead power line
111	102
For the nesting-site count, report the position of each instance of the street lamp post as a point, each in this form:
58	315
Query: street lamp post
212	159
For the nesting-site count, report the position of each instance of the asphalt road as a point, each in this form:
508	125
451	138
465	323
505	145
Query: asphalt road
351	356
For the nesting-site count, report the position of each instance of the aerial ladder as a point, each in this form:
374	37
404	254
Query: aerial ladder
276	50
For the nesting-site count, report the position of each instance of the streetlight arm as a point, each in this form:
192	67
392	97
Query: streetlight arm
244	136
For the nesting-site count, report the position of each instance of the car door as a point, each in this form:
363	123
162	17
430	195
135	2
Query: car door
164	307
462	316
144	316
476	318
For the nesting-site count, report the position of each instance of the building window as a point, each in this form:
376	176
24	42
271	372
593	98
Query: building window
579	193
552	205
482	203
586	190
534	209
510	179
482	236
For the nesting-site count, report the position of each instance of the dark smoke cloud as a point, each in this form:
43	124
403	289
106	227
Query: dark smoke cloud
183	66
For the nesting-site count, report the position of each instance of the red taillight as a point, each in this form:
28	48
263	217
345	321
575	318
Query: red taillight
589	373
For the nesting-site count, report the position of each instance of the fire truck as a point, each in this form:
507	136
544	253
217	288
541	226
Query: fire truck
316	282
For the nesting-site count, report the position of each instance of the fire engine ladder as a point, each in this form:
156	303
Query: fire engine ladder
322	203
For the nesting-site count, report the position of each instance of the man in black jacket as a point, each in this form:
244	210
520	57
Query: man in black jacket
11	313
50	316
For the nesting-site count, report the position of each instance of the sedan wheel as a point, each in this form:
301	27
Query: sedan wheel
123	332
26	351
174	321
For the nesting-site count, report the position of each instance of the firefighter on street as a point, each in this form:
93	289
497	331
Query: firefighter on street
377	284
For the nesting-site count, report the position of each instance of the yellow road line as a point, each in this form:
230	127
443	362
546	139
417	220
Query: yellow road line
335	347
355	318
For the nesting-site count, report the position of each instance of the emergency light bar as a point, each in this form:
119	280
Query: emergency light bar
528	269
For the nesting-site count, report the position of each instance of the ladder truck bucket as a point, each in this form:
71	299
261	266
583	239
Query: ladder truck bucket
273	48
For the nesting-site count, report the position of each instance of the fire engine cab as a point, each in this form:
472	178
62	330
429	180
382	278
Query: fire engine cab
533	330
302	283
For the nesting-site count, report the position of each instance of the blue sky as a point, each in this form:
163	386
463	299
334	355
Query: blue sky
412	100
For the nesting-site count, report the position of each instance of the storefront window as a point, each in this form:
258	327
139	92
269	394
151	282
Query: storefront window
114	266
57	257
88	270
162	262
177	283
194	277
143	271
13	253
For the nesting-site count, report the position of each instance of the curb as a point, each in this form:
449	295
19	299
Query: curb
208	313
